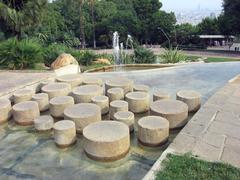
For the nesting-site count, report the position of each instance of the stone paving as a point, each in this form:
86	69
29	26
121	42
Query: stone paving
213	134
11	81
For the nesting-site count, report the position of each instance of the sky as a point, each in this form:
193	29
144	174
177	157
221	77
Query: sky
191	4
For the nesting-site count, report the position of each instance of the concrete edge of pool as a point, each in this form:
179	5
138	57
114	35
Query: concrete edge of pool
187	141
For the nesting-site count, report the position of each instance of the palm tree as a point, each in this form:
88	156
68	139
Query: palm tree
20	16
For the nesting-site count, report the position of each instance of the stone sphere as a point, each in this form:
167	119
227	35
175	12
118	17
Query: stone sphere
115	94
160	95
22	95
64	133
5	110
102	102
57	89
153	130
141	88
24	113
43	101
116	106
191	98
106	140
139	102
59	104
43	123
83	114
125	117
176	112
73	79
92	81
84	94
124	83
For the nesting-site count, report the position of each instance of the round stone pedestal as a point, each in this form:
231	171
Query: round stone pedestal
176	112
57	89
139	102
83	114
191	98
153	130
125	117
64	133
92	81
116	106
22	95
115	94
84	94
5	110
124	83
43	123
106	140
73	79
141	88
102	102
160	95
46	82
24	113
42	100
59	104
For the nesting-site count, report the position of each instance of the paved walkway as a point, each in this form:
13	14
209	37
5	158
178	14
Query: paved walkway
10	81
213	134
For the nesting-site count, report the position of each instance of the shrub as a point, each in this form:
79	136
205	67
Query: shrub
87	57
173	56
143	55
20	54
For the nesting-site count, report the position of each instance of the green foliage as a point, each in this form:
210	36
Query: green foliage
209	26
187	167
144	56
87	57
22	54
172	56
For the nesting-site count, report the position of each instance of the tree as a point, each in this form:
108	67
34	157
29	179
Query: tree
209	26
230	19
20	17
185	34
81	20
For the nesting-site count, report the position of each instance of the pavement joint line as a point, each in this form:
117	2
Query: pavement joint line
210	122
222	147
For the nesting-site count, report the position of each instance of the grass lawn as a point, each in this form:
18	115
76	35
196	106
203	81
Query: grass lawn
188	168
213	59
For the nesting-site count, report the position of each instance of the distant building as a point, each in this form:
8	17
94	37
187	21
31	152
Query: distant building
217	40
235	46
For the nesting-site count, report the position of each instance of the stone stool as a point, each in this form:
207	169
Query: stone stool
83	114
42	100
125	117
22	95
141	88
64	133
92	81
191	98
115	94
102	102
84	94
176	112
73	79
46	82
160	95
57	89
59	104
116	106
153	130
5	110
24	113
124	83
139	102
43	123
106	140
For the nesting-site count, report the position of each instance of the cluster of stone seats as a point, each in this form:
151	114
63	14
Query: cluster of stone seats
76	106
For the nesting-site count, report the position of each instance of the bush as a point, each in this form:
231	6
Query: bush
20	54
143	55
87	57
173	56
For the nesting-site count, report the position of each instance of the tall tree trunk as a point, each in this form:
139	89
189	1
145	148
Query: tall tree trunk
82	31
93	22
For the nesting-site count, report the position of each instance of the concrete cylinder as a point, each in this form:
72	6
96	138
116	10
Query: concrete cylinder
22	95
73	79
116	106
102	102
125	117
124	83
115	94
57	89
139	102
43	101
160	95
43	123
5	110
